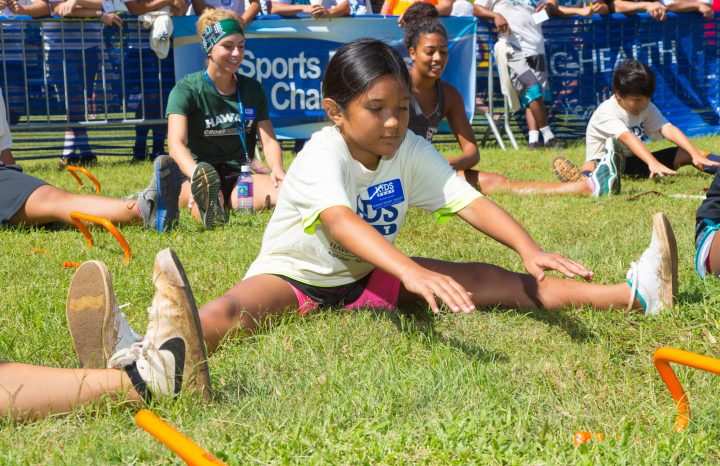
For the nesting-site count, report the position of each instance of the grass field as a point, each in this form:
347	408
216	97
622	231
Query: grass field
498	386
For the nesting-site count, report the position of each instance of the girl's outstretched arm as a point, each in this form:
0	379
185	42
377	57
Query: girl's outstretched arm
491	219
358	237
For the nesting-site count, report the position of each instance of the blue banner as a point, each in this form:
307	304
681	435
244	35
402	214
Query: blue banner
289	58
683	52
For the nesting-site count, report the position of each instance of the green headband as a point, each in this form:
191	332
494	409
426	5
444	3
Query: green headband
215	32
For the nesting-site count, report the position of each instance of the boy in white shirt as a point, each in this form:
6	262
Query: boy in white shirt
528	65
629	118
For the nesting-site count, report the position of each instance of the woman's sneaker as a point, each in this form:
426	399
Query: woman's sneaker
97	326
205	187
158	202
654	277
172	356
608	171
566	171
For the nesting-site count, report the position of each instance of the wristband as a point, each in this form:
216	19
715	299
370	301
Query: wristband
101	14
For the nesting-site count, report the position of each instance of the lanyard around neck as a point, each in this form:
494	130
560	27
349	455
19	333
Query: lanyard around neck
241	111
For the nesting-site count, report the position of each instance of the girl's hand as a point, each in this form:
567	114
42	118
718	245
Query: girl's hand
429	284
108	19
660	170
15	7
319	11
537	263
277	175
66	8
699	160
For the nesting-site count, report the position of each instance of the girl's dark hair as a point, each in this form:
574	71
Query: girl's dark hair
357	64
633	78
420	19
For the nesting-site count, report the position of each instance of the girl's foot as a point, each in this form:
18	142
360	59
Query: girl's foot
158	202
97	326
172	356
205	187
654	277
565	170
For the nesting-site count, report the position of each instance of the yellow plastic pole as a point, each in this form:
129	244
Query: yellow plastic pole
188	450
72	171
77	216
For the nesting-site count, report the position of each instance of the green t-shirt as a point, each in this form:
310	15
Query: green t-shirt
212	134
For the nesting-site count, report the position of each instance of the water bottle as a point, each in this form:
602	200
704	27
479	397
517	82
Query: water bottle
245	191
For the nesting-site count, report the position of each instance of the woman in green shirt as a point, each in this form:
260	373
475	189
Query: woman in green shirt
214	117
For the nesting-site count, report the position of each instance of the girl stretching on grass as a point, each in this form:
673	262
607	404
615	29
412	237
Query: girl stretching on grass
330	239
434	99
214	117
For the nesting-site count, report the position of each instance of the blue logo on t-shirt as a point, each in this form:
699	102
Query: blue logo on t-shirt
250	113
375	206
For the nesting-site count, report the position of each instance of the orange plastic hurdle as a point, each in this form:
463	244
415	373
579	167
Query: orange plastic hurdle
77	216
662	358
72	171
188	450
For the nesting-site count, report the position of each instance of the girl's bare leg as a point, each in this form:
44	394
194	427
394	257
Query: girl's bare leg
50	204
245	307
34	392
491	285
491	183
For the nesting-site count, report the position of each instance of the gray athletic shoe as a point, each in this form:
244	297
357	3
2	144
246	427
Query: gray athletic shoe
205	187
159	201
533	146
554	144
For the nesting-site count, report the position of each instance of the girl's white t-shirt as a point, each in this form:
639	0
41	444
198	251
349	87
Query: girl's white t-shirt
296	243
611	120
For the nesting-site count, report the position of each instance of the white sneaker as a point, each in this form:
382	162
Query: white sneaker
654	277
97	326
172	356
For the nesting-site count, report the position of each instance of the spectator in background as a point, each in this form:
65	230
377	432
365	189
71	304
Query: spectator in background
149	68
528	65
247	9
656	10
16	37
398	7
80	61
462	8
567	8
321	8
704	7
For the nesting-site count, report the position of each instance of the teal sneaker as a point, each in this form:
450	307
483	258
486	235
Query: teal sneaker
703	242
205	187
606	177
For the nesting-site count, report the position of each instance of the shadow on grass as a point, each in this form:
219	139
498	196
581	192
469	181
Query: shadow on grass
417	322
577	332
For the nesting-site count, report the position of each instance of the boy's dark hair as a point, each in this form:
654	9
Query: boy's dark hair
633	78
421	19
356	65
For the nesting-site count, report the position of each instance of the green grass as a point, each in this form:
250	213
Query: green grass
379	387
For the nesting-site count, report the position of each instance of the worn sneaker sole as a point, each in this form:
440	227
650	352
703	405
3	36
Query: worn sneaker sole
170	279
205	187
89	307
669	264
565	170
168	182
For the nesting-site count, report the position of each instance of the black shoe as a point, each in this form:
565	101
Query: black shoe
554	144
533	146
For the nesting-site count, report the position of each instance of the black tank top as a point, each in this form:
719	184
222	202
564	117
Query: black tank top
427	126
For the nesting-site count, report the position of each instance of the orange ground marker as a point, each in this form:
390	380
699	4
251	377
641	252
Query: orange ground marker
662	358
77	216
72	171
188	450
38	251
70	265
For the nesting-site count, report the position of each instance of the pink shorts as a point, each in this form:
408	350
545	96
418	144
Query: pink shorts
381	291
